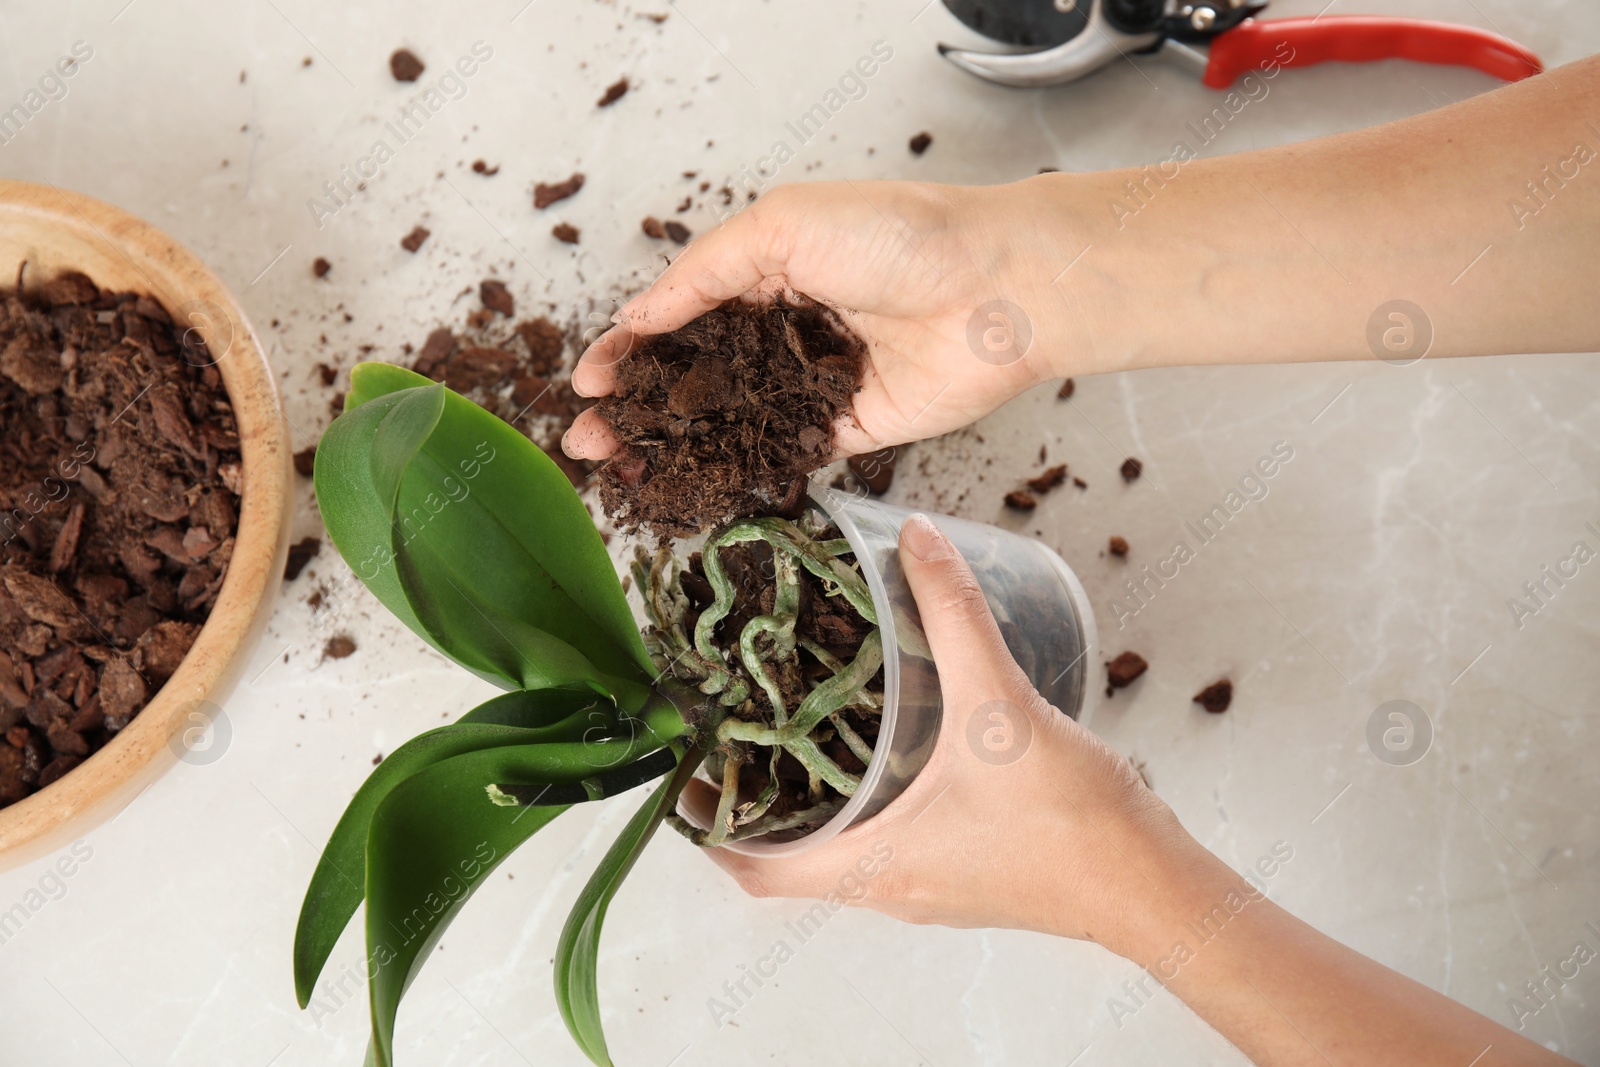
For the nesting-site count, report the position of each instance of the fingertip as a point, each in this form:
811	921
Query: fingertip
923	540
590	437
592	381
596	372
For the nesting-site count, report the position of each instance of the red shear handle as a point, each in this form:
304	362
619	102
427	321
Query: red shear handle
1361	39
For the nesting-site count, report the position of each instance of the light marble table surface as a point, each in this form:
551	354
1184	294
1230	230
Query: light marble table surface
1377	567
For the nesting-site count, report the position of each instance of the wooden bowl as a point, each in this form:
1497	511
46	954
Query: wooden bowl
55	230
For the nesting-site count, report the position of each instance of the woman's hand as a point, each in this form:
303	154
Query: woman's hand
1040	827
918	270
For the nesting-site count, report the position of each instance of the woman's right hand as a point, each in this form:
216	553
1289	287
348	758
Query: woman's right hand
915	268
1022	818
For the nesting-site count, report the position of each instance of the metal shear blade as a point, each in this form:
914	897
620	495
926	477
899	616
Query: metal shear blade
1097	45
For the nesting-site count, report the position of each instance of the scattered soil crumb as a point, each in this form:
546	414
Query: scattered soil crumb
919	144
1216	697
300	553
1118	546
1131	469
1021	500
1121	672
1080	483
481	167
305	461
565	232
677	231
1068	387
320	267
544	195
496	297
413	240
339	646
1049	479
652	227
405	66
614	92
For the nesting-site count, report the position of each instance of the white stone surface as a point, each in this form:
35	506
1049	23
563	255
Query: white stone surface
1378	567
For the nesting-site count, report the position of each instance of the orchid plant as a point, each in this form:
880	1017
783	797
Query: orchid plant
476	540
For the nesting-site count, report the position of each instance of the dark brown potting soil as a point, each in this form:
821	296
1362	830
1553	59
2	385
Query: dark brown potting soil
545	194
1216	697
301	553
405	66
118	507
1122	671
614	92
1118	546
496	297
719	418
413	240
1021	500
1048	480
1131	469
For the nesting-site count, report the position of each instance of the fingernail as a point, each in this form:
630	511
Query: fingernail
923	539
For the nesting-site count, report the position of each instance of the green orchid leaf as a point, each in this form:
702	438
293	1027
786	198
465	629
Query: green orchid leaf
474	598
478	481
412	417
433	841
357	518
339	883
577	952
436	836
463	598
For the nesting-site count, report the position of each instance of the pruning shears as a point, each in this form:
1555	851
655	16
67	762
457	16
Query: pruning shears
1223	39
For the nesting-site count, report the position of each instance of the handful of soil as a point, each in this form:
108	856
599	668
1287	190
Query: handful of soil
119	480
719	419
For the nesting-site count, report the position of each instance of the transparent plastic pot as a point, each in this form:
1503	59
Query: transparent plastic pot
1043	613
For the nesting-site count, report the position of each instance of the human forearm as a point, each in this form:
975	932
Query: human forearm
1285	254
1286	994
